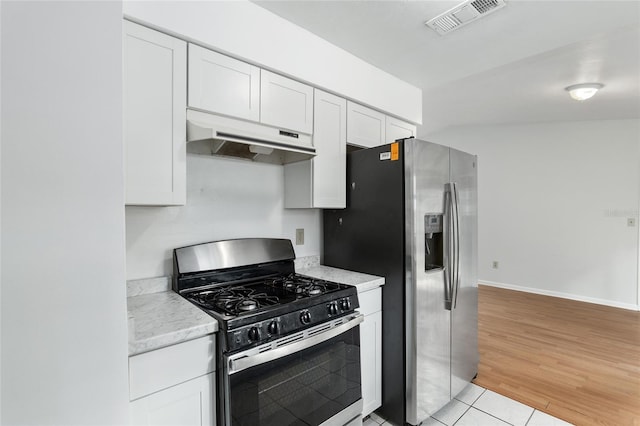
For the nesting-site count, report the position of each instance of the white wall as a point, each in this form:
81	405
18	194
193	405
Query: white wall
64	321
0	214
226	198
250	32
553	206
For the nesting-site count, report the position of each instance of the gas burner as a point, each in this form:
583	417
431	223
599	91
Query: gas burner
246	305
234	300
286	283
300	285
310	289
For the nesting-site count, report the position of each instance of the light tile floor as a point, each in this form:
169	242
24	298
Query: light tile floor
477	406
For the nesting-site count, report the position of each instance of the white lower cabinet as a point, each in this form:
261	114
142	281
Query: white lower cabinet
189	403
371	349
174	385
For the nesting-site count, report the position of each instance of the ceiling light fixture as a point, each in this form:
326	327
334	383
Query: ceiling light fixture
583	91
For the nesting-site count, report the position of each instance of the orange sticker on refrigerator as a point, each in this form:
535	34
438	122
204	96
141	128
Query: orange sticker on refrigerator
394	151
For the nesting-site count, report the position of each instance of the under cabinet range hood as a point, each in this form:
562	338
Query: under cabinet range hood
209	134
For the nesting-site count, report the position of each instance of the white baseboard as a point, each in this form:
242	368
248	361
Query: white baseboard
597	301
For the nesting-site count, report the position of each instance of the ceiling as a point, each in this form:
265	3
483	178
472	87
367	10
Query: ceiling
510	66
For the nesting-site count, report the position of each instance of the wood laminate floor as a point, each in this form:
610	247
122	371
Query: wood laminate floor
576	361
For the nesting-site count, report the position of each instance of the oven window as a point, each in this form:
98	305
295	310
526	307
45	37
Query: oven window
304	388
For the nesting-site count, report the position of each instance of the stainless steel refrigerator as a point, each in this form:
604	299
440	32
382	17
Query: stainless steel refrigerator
411	217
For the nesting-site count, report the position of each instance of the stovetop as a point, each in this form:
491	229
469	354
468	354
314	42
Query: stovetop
242	299
239	304
254	312
251	288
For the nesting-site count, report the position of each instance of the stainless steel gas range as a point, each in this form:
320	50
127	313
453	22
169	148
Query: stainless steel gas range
288	345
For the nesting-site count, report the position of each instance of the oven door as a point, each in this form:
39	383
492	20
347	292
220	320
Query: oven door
308	378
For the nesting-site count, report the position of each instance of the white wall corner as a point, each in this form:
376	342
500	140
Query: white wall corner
0	215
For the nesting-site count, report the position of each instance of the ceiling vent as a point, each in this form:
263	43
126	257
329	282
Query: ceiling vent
463	14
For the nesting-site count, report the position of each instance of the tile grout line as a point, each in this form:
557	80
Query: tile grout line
475	400
529	419
469	406
465	412
502	420
495	417
434	419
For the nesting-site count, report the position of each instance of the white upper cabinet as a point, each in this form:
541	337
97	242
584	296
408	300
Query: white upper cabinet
321	181
286	103
154	102
220	84
365	127
398	129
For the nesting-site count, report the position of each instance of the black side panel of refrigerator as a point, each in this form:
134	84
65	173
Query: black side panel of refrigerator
368	236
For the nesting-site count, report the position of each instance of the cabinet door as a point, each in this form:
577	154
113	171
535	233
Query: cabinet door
320	182
398	129
371	349
190	403
154	98
220	84
371	362
365	127
285	103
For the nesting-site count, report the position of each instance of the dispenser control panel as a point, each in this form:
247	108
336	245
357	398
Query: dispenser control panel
432	223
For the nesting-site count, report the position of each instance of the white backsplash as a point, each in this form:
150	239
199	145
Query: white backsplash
148	286
307	262
226	198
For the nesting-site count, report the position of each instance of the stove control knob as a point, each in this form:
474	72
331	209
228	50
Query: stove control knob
305	317
273	328
345	304
332	308
254	334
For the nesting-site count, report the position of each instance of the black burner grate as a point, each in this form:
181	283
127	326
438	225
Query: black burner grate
260	295
301	285
235	300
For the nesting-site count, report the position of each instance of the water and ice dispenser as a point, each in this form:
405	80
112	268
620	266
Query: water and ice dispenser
433	241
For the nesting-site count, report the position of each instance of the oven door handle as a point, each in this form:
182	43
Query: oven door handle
240	362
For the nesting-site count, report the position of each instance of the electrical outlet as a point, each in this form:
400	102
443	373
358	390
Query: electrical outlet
494	265
631	221
300	236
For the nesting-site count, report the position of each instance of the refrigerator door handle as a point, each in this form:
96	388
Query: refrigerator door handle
448	246
456	244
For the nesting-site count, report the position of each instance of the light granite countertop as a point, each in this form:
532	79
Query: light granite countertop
362	282
159	317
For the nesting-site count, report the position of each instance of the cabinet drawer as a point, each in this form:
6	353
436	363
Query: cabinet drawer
163	368
370	301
